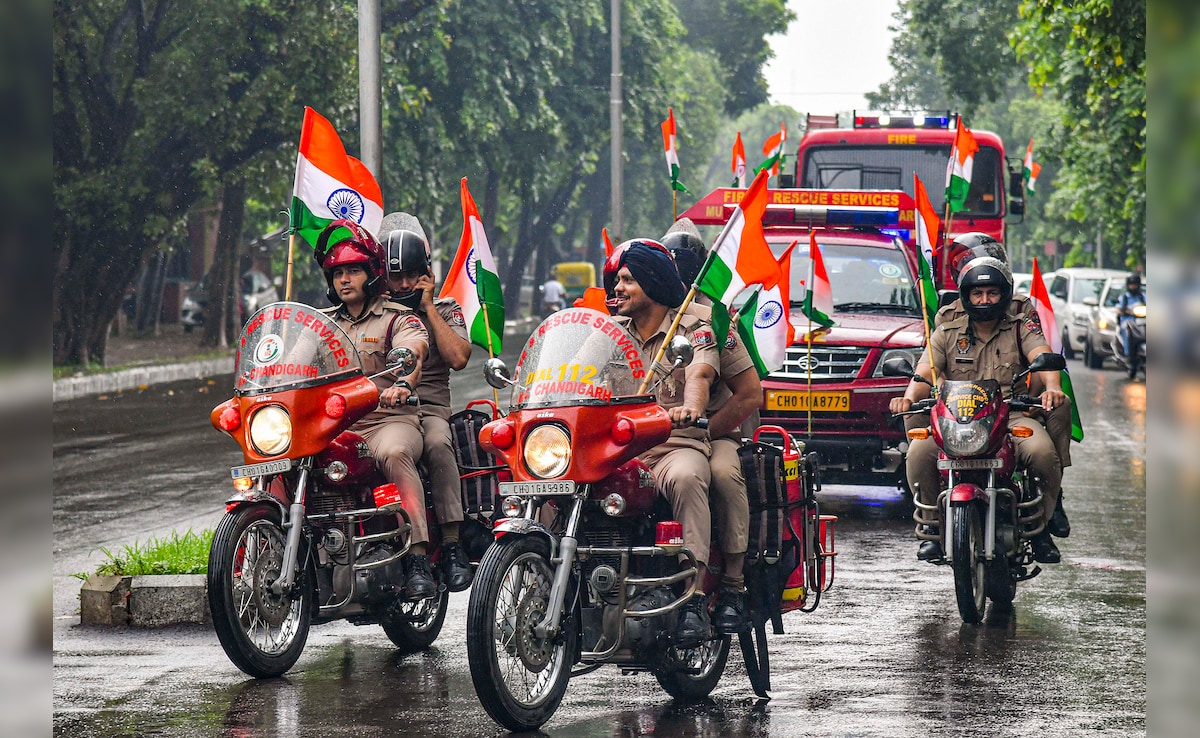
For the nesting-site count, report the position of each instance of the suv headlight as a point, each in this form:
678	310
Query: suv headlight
547	451
965	439
270	430
912	354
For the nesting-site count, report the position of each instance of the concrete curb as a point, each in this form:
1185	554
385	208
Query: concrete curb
71	388
144	601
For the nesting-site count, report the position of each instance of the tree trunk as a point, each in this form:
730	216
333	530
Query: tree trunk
224	294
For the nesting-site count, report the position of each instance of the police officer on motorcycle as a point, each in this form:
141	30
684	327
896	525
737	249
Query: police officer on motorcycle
987	342
1130	298
352	261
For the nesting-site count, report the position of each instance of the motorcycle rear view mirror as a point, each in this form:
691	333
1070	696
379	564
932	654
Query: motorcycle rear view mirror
495	372
400	361
679	352
1048	362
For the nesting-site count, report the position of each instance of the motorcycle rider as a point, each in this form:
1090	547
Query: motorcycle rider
962	250
986	343
410	283
352	261
733	399
647	295
1130	298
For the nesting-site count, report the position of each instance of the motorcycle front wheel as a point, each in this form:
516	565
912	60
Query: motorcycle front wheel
262	632
417	624
969	565
519	677
703	667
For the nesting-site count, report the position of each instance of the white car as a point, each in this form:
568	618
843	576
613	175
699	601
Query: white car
1069	288
1023	282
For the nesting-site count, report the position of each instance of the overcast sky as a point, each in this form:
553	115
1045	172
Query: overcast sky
832	55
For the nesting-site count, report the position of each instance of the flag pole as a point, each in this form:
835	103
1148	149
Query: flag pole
808	345
658	355
674	203
287	289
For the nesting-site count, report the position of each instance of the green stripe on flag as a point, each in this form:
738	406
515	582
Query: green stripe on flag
716	280
745	329
925	278
720	324
1069	391
491	300
956	193
306	225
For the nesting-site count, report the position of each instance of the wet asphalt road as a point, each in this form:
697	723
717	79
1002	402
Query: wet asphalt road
885	654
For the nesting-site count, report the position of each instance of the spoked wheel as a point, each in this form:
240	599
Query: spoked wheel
416	625
969	564
519	677
262	631
696	671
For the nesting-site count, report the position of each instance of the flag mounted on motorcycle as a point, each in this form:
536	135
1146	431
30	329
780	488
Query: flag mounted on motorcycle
474	282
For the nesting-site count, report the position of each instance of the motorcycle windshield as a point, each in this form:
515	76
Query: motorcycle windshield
971	400
287	345
578	357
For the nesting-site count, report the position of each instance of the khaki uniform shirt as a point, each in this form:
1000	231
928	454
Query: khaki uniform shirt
956	353
735	359
434	388
370	336
670	391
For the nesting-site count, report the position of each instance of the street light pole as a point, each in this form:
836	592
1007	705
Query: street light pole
614	120
370	86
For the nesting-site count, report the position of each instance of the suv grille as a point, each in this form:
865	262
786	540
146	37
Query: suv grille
829	362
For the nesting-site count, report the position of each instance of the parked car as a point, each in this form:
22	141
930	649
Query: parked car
257	291
1069	288
1102	321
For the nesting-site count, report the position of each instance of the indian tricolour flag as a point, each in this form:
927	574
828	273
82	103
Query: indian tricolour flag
1027	165
927	228
739	256
1034	171
738	164
773	148
764	322
671	150
1045	312
958	169
330	185
474	282
818	294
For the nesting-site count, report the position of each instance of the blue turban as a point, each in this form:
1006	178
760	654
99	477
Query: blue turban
655	273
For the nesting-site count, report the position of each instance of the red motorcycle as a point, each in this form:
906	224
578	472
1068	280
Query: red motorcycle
587	568
313	532
989	508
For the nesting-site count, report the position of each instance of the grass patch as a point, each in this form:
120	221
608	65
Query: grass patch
185	553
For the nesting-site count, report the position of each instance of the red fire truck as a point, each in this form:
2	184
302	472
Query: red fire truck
877	315
882	151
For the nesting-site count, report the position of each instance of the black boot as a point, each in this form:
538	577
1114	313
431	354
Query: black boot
1058	525
930	551
729	616
1044	550
418	584
692	625
456	566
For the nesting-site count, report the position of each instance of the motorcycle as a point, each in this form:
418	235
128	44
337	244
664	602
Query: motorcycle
1135	334
587	568
313	533
989	508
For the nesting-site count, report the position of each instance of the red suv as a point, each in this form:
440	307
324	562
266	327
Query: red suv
877	315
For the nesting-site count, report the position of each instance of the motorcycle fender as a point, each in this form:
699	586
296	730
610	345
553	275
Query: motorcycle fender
254	495
524	527
965	493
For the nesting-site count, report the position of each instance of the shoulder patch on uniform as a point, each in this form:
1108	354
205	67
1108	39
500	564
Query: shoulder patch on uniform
1032	326
457	317
413	321
703	337
731	339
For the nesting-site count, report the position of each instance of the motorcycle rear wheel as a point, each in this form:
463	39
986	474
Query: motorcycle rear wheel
263	633
519	678
970	572
420	624
708	659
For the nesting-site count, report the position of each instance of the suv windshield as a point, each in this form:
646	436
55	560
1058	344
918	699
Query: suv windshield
862	278
1086	287
577	357
287	345
852	167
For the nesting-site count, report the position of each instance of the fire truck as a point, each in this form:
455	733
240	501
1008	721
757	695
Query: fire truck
881	151
831	391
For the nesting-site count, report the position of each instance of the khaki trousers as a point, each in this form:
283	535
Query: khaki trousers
682	474
396	443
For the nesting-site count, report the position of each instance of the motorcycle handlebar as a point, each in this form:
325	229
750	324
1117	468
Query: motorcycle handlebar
918	407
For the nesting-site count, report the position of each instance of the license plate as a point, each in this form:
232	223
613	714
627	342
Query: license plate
970	463
259	470
529	489
830	402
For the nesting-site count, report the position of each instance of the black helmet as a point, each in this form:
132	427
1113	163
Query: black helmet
406	249
683	241
985	271
1133	280
973	245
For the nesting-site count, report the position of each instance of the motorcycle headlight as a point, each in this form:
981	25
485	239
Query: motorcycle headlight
271	431
964	439
547	451
1139	311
